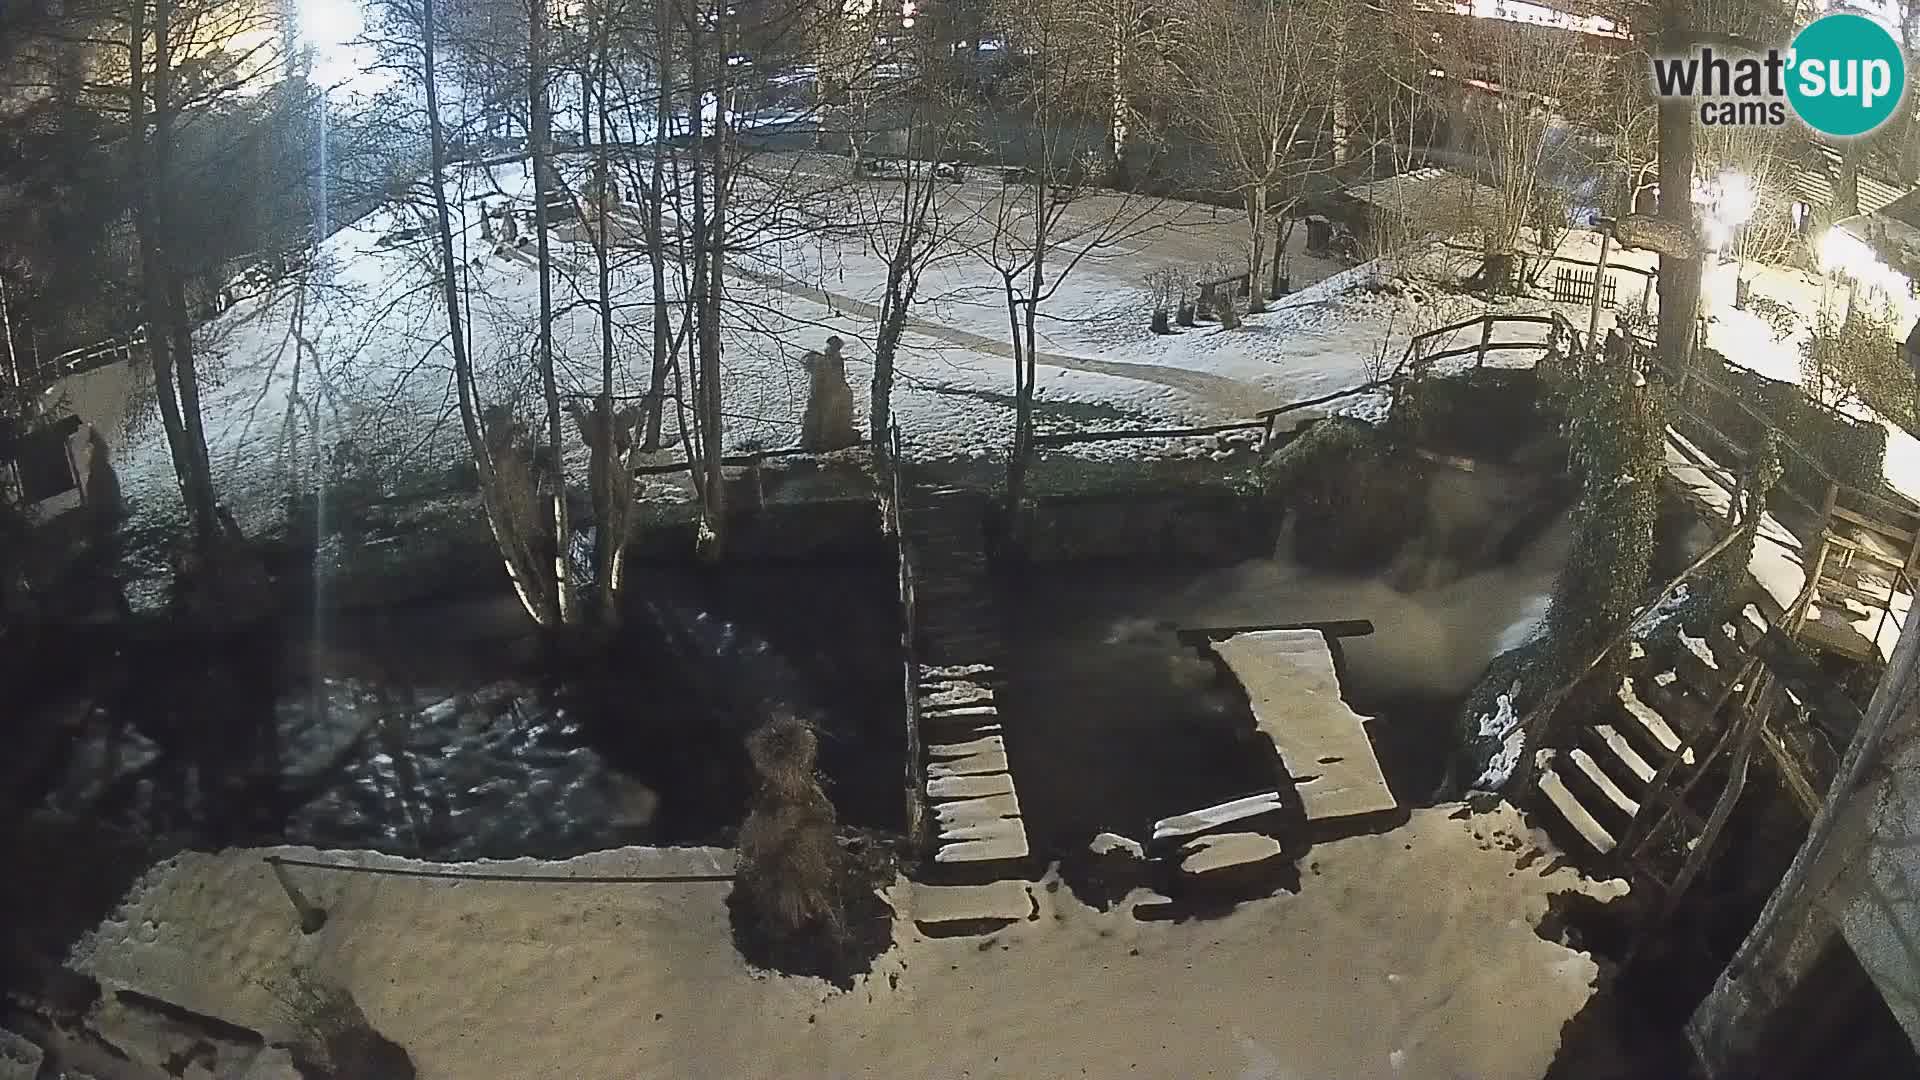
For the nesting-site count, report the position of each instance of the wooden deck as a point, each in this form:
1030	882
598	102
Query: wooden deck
1290	681
1856	612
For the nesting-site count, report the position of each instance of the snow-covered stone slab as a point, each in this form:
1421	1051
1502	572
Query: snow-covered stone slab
1223	851
1007	901
981	745
1650	721
1214	816
980	764
969	787
19	1057
1295	694
1006	805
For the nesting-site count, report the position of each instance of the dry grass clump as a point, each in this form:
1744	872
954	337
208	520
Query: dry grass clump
790	869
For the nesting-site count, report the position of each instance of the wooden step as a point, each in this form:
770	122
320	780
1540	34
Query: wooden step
1584	823
1199	821
1624	753
1604	783
1648	721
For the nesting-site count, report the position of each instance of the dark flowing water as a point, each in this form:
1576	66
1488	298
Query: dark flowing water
443	732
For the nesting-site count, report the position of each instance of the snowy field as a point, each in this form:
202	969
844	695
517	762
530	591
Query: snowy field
358	353
1410	954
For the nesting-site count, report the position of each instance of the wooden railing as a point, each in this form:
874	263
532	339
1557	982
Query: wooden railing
84	359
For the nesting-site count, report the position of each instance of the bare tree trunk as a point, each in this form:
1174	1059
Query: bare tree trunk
169	334
1256	246
664	11
513	549
893	322
151	301
1679	278
611	493
539	145
710	381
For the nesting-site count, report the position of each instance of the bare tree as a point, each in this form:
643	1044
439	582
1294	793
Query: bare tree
1257	91
1520	87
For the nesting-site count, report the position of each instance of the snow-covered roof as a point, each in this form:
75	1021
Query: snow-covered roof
1892	230
1449	200
1813	184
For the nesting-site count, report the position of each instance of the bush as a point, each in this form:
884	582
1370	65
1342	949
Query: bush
1618	437
1349	495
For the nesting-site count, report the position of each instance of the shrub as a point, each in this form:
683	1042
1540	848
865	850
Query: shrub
1617	434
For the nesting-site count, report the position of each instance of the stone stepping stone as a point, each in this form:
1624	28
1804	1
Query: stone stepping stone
1225	851
998	902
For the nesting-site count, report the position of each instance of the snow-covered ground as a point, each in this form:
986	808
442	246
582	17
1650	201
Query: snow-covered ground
358	352
1407	954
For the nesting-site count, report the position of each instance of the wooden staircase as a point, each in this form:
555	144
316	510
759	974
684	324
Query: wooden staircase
1631	766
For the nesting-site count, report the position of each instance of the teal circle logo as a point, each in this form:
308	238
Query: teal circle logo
1845	75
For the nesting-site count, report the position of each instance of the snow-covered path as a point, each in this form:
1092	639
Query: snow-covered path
1409	954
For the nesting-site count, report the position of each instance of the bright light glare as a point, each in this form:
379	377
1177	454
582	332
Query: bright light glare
329	27
328	24
1726	202
1847	255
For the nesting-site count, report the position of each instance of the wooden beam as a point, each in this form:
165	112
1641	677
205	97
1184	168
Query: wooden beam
1337	628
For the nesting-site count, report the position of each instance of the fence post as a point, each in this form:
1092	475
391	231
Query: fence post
1486	338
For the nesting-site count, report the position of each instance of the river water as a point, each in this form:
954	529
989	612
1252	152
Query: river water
442	731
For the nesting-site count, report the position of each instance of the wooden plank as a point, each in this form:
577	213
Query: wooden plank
1291	683
981	764
984	745
1861	551
1598	777
1335	628
1830	590
1003	846
963	812
1214	816
1624	752
970	787
1584	823
1894	532
1650	721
